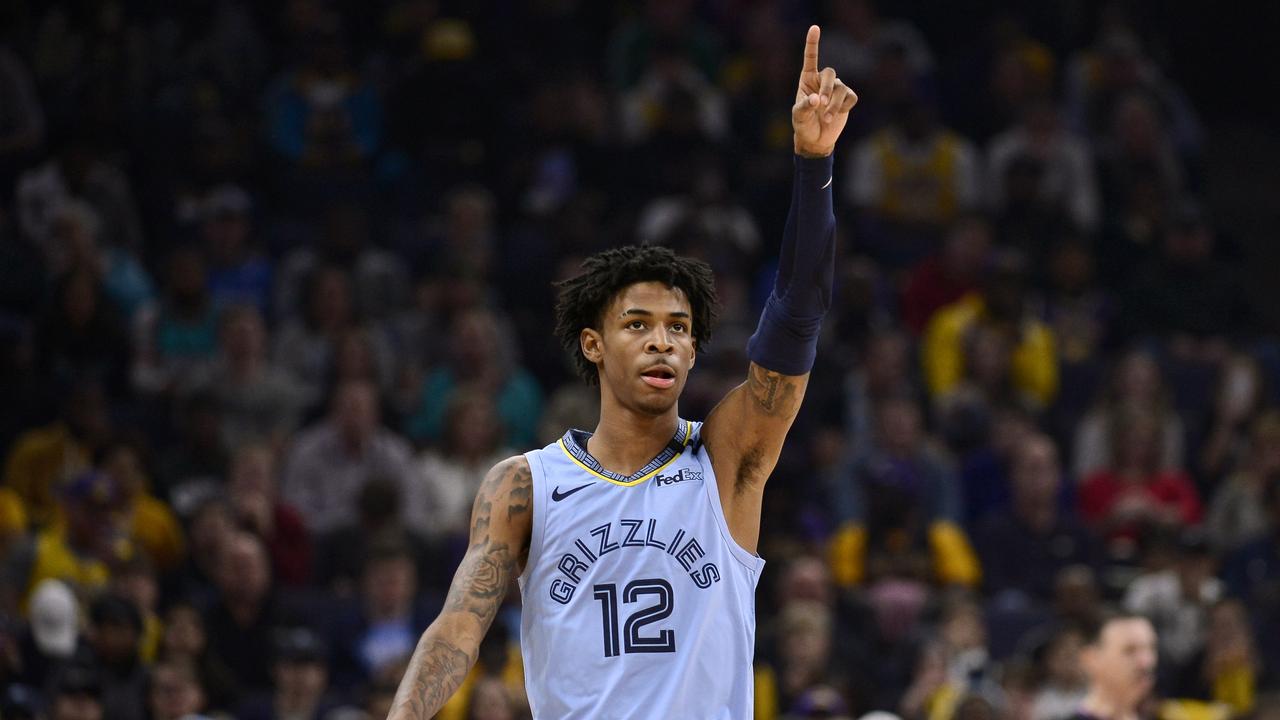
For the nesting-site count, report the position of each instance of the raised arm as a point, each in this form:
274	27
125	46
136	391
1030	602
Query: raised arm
501	521
745	432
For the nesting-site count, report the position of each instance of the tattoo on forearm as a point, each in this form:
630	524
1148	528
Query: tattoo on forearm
439	665
774	393
435	672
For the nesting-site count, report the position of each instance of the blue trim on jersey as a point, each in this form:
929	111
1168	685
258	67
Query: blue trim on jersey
574	444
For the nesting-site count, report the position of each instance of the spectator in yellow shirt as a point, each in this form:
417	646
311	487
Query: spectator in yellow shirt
1000	305
150	522
78	550
45	456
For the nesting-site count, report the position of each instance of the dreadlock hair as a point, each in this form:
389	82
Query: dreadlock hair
583	299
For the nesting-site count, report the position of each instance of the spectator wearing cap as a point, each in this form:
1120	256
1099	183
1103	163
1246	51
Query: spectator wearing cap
80	548
237	273
51	638
42	457
76	694
115	634
252	490
300	669
330	461
1024	549
1177	600
1001	305
1238	514
257	399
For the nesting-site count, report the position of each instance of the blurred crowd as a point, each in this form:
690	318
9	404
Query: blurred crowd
275	293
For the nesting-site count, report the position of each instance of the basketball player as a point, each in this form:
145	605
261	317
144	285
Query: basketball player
635	544
1119	659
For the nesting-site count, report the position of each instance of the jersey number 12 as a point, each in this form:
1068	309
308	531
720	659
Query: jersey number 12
632	640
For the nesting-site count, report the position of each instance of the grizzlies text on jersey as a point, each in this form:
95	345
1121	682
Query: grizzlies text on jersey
637	601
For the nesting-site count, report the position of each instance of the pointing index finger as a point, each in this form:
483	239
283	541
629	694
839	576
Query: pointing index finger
811	49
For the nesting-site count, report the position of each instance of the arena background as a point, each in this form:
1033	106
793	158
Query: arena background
275	292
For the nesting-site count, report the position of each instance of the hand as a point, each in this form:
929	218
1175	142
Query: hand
822	104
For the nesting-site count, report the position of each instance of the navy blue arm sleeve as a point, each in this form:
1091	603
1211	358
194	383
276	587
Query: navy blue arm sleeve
786	340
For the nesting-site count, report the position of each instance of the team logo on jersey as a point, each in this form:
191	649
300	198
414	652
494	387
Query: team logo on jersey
684	475
639	533
557	496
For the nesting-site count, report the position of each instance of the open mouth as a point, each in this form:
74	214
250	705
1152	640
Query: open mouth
659	376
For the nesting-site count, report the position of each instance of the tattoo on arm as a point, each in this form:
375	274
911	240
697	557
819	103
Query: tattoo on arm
449	647
774	394
435	672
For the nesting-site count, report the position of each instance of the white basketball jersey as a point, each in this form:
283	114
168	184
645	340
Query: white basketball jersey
637	602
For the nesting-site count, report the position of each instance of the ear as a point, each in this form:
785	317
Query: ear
591	342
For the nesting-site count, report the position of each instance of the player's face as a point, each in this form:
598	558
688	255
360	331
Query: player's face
1124	659
644	347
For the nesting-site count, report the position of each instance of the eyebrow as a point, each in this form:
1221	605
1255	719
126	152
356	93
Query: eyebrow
647	313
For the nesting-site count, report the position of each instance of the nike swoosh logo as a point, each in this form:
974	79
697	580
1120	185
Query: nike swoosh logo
557	496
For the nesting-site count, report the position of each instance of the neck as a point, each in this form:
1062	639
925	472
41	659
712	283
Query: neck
625	440
1101	705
